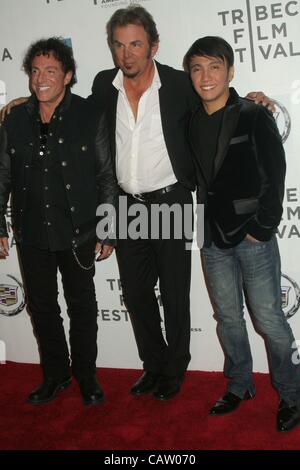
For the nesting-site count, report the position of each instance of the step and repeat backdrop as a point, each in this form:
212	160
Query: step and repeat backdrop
266	40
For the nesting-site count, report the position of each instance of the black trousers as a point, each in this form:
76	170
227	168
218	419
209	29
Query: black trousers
40	268
142	263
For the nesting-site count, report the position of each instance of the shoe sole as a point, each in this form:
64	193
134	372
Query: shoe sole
223	413
93	402
62	386
289	429
163	398
248	397
138	394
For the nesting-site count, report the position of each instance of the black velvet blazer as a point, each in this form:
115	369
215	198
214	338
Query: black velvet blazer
246	191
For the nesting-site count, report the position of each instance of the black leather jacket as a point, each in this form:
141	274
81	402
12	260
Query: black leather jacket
81	141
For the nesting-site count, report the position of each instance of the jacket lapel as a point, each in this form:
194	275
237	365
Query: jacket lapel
228	127
111	110
166	103
193	140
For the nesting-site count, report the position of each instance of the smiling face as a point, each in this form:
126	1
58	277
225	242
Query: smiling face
132	51
48	80
211	77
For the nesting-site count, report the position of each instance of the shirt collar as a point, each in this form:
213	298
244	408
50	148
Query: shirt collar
32	104
118	80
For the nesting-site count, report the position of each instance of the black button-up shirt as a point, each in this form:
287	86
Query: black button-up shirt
47	219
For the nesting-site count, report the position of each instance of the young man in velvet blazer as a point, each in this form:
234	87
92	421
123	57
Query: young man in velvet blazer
240	165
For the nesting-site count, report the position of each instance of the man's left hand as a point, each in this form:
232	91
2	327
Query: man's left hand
251	239
104	251
260	98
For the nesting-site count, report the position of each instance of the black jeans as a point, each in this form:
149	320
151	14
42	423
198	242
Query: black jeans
40	269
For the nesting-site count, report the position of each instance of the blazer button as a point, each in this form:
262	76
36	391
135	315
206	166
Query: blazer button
77	230
64	163
12	151
84	148
60	140
72	209
68	186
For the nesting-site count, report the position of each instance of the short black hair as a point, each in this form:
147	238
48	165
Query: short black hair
209	46
133	14
60	51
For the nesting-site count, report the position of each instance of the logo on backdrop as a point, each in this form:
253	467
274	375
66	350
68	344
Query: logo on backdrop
263	31
116	3
5	54
2	93
283	120
12	296
289	227
106	3
120	312
290	295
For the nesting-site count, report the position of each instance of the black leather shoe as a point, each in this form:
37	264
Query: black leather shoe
287	417
90	389
145	384
228	403
48	390
168	387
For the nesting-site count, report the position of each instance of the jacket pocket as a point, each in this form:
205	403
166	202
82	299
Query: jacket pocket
239	139
245	206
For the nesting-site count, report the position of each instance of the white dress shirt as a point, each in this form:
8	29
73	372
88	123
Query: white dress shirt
142	160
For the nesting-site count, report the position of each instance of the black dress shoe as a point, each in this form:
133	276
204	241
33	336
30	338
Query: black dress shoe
287	417
168	387
228	403
90	389
145	384
48	390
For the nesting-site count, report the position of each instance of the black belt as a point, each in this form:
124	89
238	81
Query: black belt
154	194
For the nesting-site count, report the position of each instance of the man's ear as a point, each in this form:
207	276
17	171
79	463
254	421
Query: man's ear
154	49
68	77
230	73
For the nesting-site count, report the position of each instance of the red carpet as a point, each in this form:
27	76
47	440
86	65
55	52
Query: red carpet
124	422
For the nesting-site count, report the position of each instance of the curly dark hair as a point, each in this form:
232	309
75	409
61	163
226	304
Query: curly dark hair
133	14
60	51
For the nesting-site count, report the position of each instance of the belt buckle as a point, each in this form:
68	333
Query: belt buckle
139	197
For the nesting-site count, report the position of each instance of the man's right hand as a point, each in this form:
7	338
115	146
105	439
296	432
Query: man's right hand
4	247
7	108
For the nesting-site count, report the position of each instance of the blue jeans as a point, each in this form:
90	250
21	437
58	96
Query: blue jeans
252	267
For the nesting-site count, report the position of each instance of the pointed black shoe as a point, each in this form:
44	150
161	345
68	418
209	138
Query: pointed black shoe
168	387
145	384
228	403
90	389
48	390
288	417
